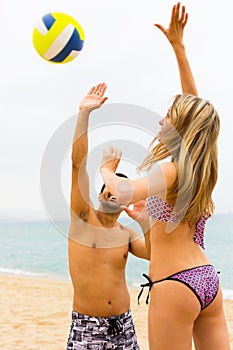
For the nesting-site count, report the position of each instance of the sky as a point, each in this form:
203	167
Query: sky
123	49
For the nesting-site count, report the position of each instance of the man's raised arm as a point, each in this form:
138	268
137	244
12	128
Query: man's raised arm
80	201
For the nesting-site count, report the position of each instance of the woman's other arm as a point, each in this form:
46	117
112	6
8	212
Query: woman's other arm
174	34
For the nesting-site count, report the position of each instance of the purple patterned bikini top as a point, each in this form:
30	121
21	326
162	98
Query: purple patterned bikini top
162	211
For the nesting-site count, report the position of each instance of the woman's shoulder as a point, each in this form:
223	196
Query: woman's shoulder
161	178
169	170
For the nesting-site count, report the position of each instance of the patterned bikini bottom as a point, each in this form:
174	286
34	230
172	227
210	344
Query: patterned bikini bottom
202	280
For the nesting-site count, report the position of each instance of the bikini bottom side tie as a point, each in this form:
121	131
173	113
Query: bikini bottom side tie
148	284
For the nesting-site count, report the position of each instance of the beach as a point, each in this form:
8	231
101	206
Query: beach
35	314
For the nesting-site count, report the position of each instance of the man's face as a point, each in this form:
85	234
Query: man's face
108	202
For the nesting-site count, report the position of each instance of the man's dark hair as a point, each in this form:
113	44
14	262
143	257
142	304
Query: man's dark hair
118	174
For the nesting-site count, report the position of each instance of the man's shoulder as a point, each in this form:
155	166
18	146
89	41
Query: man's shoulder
132	233
124	227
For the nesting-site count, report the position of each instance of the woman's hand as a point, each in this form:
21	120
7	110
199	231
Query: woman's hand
175	31
94	99
110	160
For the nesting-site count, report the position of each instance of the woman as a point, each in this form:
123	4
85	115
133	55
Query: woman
185	296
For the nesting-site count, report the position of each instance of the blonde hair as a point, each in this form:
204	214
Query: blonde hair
192	144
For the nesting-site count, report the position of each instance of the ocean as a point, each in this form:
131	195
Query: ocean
40	249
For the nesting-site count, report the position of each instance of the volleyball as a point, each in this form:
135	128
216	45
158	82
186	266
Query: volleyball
58	37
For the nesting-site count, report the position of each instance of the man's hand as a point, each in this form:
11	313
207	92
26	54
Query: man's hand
175	31
138	213
94	99
111	158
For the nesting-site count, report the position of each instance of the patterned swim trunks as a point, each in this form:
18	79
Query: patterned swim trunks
102	333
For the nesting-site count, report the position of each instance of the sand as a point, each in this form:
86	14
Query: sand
35	314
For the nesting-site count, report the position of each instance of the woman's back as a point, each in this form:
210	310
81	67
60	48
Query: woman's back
173	251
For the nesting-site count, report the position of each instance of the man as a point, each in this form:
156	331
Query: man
98	251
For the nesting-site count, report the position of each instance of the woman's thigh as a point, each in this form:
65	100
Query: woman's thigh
172	312
210	329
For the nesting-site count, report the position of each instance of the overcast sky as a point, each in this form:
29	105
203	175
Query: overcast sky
122	48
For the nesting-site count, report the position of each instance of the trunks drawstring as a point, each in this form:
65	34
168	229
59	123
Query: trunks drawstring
115	327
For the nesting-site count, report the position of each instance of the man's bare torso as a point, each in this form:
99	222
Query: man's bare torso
97	260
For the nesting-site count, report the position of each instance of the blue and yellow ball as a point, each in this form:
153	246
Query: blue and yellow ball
58	37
